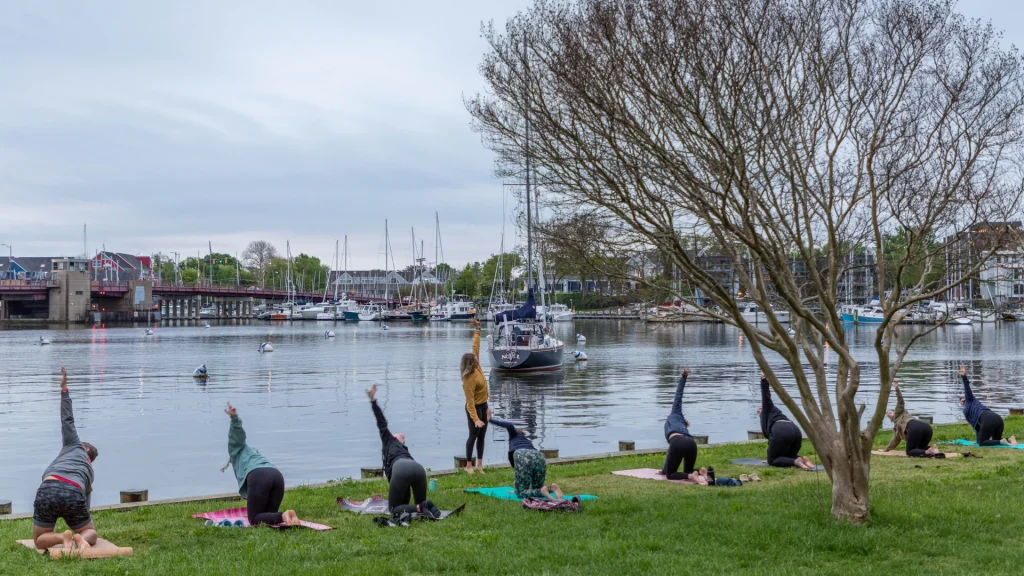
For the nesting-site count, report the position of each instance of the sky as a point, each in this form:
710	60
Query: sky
167	126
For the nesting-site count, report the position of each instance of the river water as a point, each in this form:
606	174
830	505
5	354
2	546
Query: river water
304	405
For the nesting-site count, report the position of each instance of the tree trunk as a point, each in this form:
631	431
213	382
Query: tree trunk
850	476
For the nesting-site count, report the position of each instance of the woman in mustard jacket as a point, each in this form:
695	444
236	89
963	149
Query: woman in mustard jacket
474	384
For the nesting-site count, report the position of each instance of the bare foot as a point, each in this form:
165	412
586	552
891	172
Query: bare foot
701	480
558	491
81	542
68	539
291	518
703	471
755	478
480	469
544	490
744	478
1011	441
469	469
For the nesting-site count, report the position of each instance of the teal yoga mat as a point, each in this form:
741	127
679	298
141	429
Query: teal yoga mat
962	442
509	493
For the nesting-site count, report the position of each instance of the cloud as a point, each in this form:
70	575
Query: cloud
164	126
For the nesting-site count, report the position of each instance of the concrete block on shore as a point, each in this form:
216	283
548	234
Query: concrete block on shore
925	418
460	462
5	507
371	472
755	435
549	452
700	439
1017	411
140	495
626	445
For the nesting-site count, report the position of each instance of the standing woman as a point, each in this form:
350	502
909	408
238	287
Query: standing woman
474	384
259	481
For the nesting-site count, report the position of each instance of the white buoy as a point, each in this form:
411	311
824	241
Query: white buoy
149	332
200	372
385	327
791	332
579	356
581	338
43	341
329	334
266	347
206	325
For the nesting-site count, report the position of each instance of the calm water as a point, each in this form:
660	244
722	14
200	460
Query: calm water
304	405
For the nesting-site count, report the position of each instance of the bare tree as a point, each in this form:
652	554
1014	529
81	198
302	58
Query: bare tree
789	132
257	257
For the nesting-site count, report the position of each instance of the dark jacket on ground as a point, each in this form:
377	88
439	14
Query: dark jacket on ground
391	449
72	463
516	441
676	423
769	413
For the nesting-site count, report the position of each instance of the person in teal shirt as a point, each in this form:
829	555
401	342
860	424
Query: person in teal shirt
259	481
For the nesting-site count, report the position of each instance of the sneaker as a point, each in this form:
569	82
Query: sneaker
429	510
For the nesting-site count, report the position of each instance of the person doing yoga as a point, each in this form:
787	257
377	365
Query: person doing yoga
682	448
259	481
784	438
528	463
66	490
988	426
403	473
474	385
917	433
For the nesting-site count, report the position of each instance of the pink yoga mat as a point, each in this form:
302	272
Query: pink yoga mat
649	474
236	514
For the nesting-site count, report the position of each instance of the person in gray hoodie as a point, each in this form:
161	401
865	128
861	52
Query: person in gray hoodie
66	489
259	481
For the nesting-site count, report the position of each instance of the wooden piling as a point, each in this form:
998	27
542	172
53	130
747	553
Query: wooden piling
5	507
1017	411
371	472
700	439
626	445
927	418
134	496
755	435
549	452
460	462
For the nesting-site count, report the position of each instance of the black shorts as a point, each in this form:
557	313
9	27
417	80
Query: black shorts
56	499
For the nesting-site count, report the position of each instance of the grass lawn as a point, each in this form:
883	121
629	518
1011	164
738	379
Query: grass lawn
928	516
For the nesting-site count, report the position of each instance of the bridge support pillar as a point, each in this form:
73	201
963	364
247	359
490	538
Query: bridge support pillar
195	308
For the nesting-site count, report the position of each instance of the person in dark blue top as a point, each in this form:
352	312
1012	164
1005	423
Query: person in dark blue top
784	438
988	426
682	448
529	464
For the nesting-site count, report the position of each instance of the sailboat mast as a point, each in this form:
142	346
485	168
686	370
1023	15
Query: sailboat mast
529	221
387	285
437	241
336	265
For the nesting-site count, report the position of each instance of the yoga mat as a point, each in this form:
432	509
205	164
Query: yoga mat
650	474
101	549
904	453
236	515
377	505
509	493
962	442
764	463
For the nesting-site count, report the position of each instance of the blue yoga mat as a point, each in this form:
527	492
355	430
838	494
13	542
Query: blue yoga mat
759	462
509	493
962	442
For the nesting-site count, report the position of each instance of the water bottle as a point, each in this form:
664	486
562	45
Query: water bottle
433	484
711	475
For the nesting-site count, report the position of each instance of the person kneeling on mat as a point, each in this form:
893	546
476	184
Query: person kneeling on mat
784	438
682	448
403	473
66	490
988	426
529	464
259	481
916	432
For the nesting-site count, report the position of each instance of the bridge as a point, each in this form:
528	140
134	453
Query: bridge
172	290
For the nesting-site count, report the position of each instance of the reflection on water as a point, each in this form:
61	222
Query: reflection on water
305	408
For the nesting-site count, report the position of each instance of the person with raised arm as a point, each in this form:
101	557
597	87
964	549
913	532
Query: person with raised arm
529	464
474	386
988	426
404	474
682	448
259	481
917	433
66	490
784	438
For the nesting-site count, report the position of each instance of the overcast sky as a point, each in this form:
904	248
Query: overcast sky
165	125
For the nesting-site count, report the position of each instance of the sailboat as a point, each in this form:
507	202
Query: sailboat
522	341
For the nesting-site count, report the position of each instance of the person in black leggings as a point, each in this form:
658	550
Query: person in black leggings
988	426
259	481
917	433
682	448
784	438
404	474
